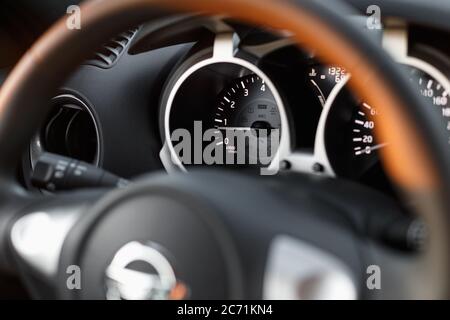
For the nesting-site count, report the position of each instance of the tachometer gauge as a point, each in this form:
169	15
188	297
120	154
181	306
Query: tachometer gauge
224	114
247	106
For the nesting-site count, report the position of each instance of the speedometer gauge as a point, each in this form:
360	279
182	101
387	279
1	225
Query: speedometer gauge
349	135
365	117
435	92
364	121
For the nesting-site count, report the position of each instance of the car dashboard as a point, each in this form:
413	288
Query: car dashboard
127	108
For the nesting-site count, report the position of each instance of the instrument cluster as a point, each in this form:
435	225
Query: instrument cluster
298	109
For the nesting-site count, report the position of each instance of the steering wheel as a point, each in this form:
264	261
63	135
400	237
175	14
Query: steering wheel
211	235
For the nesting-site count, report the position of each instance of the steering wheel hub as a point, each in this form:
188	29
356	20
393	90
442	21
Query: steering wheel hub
149	243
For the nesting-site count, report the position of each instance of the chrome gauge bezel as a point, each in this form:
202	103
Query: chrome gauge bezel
395	41
223	51
320	145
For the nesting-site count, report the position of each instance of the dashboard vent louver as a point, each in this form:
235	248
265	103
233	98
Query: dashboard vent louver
70	130
110	52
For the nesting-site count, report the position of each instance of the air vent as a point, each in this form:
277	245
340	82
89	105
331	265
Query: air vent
110	53
70	130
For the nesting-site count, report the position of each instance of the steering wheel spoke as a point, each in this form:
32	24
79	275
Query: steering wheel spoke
38	231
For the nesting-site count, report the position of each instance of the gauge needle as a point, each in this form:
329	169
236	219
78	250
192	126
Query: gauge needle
369	150
234	128
378	146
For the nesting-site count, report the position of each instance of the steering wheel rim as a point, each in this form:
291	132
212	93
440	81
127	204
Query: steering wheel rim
419	168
